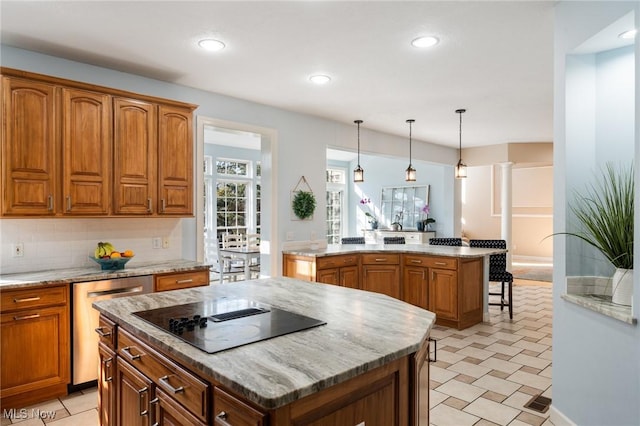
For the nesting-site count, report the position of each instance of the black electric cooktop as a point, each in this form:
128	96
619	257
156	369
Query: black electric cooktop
224	323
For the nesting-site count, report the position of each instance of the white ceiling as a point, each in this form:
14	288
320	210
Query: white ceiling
495	58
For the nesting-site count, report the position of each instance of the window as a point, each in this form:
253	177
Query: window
335	204
232	200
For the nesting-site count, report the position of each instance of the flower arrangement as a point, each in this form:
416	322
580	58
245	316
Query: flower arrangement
427	220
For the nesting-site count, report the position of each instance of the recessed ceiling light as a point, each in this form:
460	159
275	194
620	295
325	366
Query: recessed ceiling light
211	45
320	79
629	34
426	41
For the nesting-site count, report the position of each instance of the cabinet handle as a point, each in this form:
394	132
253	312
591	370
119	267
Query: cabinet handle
435	350
106	366
143	410
416	261
50	202
190	280
149	207
27	299
163	205
221	419
26	317
127	352
165	381
68	203
381	259
155	401
102	333
441	263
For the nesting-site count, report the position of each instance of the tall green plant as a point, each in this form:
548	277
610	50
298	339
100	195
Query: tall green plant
605	213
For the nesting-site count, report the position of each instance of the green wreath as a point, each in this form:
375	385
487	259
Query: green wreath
304	203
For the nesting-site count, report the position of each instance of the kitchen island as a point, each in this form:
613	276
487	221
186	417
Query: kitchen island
363	365
452	282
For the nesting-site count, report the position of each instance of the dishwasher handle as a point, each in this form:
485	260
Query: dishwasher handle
114	291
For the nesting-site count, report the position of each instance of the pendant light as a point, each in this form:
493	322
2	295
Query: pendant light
461	168
410	173
358	172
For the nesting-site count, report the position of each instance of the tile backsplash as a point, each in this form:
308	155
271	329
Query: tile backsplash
67	243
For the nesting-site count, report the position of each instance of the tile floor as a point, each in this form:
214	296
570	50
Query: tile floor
484	375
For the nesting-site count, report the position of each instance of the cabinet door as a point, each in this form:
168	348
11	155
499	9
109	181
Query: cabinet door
415	286
135	156
29	148
106	385
349	277
329	276
231	411
383	279
35	349
299	267
175	161
170	413
86	147
443	293
133	394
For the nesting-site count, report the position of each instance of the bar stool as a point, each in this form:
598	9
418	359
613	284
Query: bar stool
498	272
352	240
454	242
393	240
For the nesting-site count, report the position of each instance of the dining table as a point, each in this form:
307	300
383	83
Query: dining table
247	254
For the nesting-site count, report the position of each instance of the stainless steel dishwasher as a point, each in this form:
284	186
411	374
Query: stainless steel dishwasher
84	320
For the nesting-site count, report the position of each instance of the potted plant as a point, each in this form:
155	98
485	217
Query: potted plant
373	221
423	225
605	214
396	225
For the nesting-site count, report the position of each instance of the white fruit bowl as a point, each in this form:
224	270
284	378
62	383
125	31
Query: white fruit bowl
111	264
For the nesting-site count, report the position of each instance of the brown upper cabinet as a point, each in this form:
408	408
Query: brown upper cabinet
74	149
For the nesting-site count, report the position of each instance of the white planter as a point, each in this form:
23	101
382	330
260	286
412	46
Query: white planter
622	287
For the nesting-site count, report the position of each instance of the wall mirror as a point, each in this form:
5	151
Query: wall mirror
403	204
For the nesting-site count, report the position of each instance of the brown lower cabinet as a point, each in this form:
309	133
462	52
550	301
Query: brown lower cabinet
451	287
140	385
34	341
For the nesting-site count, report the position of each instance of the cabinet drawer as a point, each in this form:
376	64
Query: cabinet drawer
107	332
380	259
13	300
336	261
432	262
184	387
413	237
231	411
176	281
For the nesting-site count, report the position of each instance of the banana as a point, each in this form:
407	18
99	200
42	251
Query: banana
103	249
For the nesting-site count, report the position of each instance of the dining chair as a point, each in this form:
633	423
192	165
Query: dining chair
253	243
352	240
498	272
454	242
394	240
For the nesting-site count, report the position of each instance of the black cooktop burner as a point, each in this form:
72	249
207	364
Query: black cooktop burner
220	324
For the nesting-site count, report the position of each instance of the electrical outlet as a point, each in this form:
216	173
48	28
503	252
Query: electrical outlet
18	250
156	242
165	242
314	235
289	236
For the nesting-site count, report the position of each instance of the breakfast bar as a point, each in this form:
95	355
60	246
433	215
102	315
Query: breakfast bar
452	282
360	365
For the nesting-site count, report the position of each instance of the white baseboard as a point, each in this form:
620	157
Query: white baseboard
537	259
559	419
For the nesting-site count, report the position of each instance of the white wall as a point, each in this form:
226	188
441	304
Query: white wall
596	367
299	149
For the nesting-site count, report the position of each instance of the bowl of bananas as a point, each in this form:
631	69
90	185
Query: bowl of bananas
109	258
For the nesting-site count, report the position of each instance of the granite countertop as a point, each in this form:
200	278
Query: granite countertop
364	330
72	275
333	249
